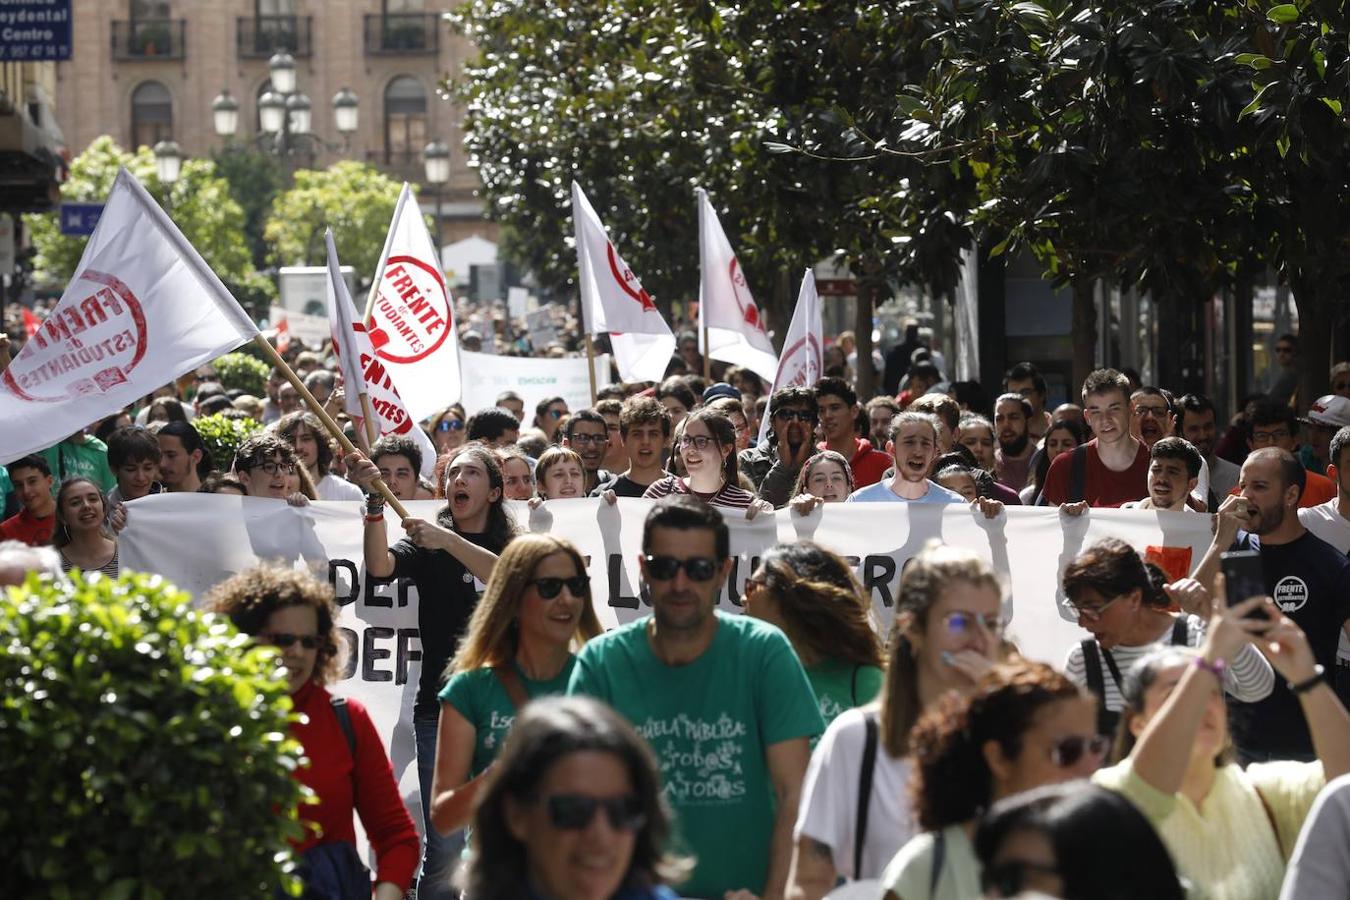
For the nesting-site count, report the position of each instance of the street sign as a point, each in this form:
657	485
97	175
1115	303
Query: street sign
79	219
33	31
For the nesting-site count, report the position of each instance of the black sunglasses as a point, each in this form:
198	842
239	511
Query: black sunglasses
801	415
1068	751
698	568
449	425
573	812
1007	879
284	640
548	588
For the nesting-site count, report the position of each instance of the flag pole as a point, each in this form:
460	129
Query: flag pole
316	407
372	433
590	365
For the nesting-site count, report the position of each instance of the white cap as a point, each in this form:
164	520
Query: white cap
1333	410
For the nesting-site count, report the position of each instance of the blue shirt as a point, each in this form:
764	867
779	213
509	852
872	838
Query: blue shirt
881	493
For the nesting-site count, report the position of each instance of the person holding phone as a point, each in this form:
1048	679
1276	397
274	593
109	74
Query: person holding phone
1308	579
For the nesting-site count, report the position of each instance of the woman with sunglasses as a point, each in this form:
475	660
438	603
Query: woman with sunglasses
535	612
348	769
548	415
574	810
826	478
1025	725
1124	602
706	447
1074	841
813	596
947	634
447	429
1230	830
82	535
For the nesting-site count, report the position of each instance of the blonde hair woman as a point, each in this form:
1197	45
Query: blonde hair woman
535	613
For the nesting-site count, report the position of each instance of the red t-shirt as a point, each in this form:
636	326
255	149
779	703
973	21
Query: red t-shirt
1101	486
867	464
24	526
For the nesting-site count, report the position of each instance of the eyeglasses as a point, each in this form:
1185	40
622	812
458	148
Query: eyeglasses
697	441
284	640
958	622
698	568
556	413
272	468
1008	878
1091	612
1270	437
1066	752
801	415
548	588
449	425
573	812
589	438
1284	349
1157	412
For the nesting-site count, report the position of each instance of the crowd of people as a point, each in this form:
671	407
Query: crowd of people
1193	744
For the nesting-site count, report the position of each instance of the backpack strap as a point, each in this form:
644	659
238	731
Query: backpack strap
1179	631
1092	668
344	717
1078	474
510	680
939	859
869	761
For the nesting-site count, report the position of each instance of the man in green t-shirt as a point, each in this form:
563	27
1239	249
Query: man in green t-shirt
723	701
80	455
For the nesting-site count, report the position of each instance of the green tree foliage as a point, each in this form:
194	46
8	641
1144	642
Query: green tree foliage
143	746
255	178
354	199
223	436
244	372
199	203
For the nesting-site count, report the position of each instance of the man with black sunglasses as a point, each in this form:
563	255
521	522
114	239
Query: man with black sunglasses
773	464
723	701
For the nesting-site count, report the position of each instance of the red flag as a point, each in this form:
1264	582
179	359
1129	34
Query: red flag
31	323
283	335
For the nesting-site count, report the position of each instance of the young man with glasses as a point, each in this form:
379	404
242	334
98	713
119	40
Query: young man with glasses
264	465
1110	469
587	433
773	464
1152	415
722	699
1275	425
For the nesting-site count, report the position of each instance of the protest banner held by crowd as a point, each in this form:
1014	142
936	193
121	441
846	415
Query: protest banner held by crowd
811	639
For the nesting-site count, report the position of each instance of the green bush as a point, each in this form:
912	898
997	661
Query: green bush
223	436
238	370
143	747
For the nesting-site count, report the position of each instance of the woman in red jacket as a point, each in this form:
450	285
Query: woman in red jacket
348	769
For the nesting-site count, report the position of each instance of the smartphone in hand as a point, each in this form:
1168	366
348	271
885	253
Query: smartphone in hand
1244	577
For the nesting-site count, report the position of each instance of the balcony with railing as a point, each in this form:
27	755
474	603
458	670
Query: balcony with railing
258	37
403	33
149	39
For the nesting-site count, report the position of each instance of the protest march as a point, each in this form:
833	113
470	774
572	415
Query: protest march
655	611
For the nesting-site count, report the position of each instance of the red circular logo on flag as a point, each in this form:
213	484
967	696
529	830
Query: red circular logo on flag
412	315
626	280
749	311
800	364
88	346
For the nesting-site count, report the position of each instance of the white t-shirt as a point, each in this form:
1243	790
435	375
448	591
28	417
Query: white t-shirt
331	487
829	805
1326	522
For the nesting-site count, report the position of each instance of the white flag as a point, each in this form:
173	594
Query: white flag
141	309
727	310
613	300
412	319
801	362
363	373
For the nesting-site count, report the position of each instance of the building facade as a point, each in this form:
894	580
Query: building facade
147	70
31	153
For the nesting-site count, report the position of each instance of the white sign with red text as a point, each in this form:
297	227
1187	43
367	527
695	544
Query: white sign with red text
141	309
412	317
726	307
613	300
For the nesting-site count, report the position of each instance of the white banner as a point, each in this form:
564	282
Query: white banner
486	377
141	309
614	301
726	308
411	316
802	361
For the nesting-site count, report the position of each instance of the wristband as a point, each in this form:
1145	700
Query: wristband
375	518
1319	676
1216	668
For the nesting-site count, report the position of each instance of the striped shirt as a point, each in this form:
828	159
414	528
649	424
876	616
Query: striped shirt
109	568
729	496
1249	678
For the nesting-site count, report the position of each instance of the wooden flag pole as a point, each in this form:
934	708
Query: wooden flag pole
372	432
316	407
590	365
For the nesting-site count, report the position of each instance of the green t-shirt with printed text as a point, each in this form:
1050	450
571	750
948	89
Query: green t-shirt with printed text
710	723
480	697
841	686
